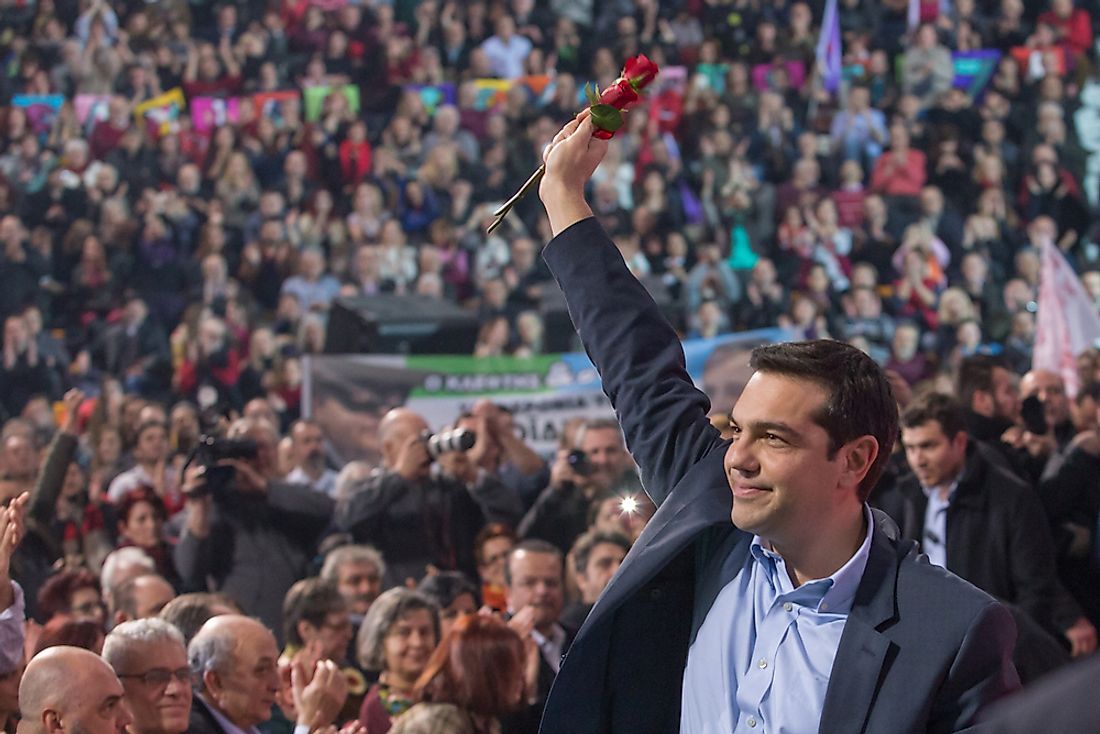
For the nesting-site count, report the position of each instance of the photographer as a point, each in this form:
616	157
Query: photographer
253	535
417	517
596	464
502	453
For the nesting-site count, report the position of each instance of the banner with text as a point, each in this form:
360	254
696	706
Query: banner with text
348	394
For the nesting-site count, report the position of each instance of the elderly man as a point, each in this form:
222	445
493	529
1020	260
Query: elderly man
234	666
70	690
149	657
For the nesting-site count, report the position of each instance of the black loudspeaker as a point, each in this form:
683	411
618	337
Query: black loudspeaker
388	324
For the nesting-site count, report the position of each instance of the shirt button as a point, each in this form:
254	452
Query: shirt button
763	663
824	606
787	606
751	722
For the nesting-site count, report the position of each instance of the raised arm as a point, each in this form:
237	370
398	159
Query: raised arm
635	349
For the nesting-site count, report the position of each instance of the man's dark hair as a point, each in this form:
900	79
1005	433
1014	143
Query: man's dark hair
531	545
309	600
976	375
189	612
587	542
1088	390
859	403
444	587
934	406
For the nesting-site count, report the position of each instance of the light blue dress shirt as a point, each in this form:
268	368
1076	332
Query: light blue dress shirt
763	656
934	541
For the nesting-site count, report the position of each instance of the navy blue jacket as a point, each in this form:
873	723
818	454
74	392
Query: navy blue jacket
922	651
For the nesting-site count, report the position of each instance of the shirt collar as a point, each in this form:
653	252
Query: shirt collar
833	594
932	494
227	726
556	638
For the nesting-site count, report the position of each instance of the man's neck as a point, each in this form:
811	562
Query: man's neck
824	552
312	473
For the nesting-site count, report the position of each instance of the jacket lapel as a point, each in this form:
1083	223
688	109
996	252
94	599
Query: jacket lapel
864	651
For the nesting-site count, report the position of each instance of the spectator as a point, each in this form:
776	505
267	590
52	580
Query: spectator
396	640
596	557
141	517
189	612
150	659
151	469
475	676
453	594
357	571
71	685
140	598
255	535
416	519
307	449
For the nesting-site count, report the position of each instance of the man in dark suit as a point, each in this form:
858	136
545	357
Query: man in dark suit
806	612
235	668
978	520
535	575
1064	702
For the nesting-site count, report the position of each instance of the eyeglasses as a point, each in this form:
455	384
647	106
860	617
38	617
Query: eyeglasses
159	677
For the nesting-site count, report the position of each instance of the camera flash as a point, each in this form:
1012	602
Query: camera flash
629	505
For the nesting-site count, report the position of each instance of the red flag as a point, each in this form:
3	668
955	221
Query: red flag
1068	322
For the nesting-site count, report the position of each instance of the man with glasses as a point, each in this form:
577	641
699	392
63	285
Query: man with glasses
149	658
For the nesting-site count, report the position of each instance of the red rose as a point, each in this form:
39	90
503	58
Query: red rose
639	71
619	95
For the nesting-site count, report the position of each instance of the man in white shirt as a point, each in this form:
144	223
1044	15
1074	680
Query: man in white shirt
307	451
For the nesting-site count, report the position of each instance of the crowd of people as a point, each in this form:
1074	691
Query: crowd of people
163	273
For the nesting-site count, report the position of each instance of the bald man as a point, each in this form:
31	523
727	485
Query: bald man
69	690
235	668
415	518
1049	388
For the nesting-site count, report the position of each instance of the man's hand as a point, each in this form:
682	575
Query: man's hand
570	159
319	701
413	460
248	479
12	528
1082	638
72	401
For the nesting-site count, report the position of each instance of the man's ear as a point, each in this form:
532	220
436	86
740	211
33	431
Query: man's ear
212	681
51	722
859	454
120	617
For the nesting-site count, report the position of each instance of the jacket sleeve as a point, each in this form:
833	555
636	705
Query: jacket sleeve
1034	575
305	510
981	673
48	487
496	500
638	356
366	509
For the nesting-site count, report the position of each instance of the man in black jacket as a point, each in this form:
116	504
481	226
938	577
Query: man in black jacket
417	518
979	521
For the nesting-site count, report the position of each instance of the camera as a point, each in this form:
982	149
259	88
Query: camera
1034	416
578	462
213	449
456	439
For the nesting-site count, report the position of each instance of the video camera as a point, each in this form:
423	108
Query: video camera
210	451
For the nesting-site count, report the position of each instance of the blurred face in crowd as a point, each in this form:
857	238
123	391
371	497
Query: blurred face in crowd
408	644
724	376
309	448
606	454
142	526
360	584
1003	401
1051	391
157	681
73	691
152	445
494	555
85	605
151	594
333	634
19	457
935	458
536	582
462	604
603	561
